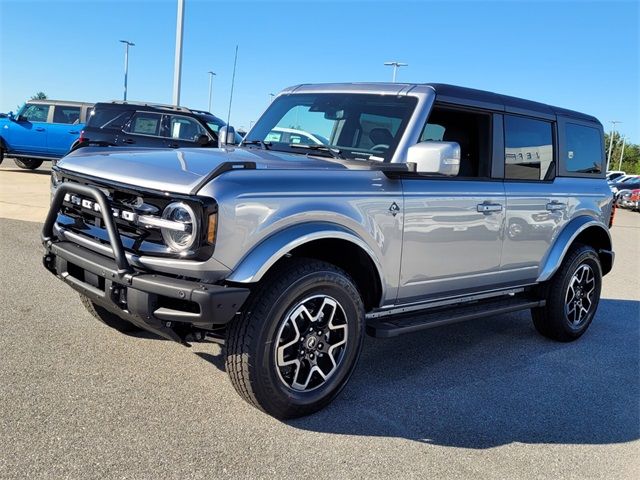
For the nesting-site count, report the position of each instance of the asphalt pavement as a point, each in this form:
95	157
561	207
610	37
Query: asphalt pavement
485	399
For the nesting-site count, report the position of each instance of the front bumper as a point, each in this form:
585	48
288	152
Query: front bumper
168	306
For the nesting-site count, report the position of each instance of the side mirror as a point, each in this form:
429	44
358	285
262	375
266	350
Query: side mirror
226	136
441	158
202	140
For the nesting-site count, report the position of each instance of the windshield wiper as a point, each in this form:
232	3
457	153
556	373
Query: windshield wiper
262	144
334	152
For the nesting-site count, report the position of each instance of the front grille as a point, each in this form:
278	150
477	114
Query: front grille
81	216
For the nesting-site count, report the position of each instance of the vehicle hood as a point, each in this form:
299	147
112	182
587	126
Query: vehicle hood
183	170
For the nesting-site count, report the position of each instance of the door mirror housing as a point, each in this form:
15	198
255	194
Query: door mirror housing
441	158
202	140
226	136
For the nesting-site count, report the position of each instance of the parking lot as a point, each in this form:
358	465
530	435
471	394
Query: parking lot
485	399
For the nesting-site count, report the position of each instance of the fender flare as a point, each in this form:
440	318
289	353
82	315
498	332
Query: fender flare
263	256
564	240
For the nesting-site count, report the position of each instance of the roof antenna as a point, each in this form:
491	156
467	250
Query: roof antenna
233	81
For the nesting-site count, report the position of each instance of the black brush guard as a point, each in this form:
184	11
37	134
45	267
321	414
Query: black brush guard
168	306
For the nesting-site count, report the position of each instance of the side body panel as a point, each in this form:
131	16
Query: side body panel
449	246
256	206
536	213
61	136
28	137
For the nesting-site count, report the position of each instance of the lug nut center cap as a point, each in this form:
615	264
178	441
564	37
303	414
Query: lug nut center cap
311	342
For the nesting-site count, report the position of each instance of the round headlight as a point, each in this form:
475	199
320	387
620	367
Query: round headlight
181	236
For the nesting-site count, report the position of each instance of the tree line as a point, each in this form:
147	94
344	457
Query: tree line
631	157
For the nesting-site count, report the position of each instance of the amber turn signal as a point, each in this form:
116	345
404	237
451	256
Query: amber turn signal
211	229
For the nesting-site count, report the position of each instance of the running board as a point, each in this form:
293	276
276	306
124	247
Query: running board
409	323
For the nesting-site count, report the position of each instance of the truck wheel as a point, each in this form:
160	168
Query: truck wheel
108	318
295	345
28	163
572	296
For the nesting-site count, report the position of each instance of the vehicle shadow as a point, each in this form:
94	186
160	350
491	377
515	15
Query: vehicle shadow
37	171
495	381
492	382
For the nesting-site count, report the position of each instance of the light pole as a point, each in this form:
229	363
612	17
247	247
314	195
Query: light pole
127	44
211	75
395	66
622	153
177	65
613	129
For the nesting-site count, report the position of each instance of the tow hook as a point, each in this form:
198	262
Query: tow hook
47	261
119	296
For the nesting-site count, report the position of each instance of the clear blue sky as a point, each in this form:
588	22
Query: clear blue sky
578	55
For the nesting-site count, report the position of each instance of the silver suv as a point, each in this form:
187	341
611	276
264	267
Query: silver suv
423	205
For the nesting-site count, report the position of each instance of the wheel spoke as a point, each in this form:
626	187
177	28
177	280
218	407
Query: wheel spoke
281	361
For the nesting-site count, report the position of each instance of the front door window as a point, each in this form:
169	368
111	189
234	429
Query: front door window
35	113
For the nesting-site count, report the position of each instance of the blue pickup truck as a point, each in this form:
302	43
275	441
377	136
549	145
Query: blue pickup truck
41	130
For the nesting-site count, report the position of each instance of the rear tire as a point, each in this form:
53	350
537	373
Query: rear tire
28	163
108	318
298	339
572	296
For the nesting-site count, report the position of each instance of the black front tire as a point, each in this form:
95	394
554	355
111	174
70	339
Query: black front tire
108	318
558	319
28	163
255	337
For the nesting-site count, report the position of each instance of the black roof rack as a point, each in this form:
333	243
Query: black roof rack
160	106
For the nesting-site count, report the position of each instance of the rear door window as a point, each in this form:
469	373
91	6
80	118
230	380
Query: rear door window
584	149
528	149
64	114
145	123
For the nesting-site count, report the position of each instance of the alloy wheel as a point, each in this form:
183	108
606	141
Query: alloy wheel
579	297
311	343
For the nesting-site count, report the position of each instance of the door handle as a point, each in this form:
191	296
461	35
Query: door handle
489	207
173	145
39	129
555	206
74	131
128	140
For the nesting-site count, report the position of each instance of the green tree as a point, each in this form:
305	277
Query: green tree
39	96
630	158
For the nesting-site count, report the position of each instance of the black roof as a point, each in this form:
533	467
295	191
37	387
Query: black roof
481	97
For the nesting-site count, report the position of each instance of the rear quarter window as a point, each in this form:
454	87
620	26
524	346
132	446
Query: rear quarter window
108	118
584	149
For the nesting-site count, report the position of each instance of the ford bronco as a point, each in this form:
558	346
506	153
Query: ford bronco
428	204
41	130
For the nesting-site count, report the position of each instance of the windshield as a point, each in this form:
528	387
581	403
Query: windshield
358	126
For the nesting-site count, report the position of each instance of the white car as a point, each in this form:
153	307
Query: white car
615	175
292	135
